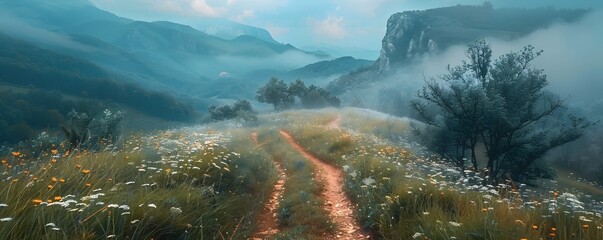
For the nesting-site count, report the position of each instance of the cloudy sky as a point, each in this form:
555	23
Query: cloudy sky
343	23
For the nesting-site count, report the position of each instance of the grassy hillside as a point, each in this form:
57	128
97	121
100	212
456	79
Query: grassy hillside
25	64
205	182
42	78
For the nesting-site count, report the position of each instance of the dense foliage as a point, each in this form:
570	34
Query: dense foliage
499	104
240	109
281	96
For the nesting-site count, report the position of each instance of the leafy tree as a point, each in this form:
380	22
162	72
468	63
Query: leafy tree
282	96
277	93
297	88
312	96
501	104
316	97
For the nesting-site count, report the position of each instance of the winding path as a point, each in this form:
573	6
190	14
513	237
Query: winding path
335	123
267	224
337	203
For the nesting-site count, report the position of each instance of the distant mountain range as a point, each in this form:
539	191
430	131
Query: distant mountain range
156	55
170	70
320	73
54	54
227	29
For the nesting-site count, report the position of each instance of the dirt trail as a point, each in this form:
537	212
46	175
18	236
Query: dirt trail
335	123
267	224
336	202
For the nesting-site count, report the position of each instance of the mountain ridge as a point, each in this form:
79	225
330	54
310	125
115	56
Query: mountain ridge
414	34
158	55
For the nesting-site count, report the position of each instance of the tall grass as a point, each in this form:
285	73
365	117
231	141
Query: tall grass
199	183
400	195
175	185
301	211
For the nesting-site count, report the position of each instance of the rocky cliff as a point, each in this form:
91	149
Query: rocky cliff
404	39
413	34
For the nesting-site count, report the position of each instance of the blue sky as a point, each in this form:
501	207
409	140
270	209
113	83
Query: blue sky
343	23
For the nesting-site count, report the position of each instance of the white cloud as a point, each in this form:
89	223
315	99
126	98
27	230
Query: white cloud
167	6
245	14
260	5
205	9
174	9
364	7
331	27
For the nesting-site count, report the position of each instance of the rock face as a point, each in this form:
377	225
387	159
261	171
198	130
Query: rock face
414	34
405	38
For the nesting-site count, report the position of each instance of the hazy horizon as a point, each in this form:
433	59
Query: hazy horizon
358	24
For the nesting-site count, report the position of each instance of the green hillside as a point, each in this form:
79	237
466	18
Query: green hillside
217	181
48	75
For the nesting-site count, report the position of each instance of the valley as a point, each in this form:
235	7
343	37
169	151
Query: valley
267	119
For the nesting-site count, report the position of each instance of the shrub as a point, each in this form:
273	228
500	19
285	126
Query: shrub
241	109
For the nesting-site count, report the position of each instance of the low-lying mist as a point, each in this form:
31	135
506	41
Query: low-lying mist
572	60
20	28
240	65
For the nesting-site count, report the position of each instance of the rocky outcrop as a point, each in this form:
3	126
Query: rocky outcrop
414	34
405	38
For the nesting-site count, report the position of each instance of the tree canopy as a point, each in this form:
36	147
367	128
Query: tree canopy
281	96
501	104
275	92
240	109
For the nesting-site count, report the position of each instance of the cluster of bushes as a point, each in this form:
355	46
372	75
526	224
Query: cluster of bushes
241	109
283	96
